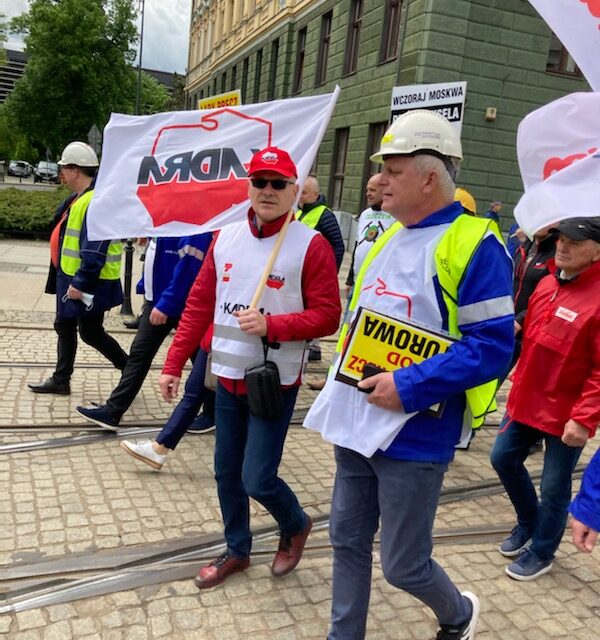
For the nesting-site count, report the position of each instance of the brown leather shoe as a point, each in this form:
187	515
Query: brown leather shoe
290	551
214	573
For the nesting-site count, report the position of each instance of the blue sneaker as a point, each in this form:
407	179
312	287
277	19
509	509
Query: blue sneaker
203	423
518	540
528	566
99	415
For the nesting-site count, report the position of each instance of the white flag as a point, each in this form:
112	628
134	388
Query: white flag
185	172
577	25
558	147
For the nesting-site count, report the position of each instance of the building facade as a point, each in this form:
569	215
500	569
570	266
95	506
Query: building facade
11	71
273	49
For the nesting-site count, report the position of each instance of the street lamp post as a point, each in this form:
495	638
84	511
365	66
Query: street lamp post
126	309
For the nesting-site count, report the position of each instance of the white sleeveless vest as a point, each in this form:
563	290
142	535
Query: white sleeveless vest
399	283
240	259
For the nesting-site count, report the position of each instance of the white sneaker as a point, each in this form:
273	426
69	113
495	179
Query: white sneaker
143	451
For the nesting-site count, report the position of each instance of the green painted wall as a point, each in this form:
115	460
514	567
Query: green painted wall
499	47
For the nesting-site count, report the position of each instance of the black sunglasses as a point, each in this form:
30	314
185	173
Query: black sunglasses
278	184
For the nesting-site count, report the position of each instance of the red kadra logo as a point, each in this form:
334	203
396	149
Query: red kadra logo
190	176
556	164
275	281
593	7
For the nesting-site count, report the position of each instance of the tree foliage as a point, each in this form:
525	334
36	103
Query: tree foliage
154	96
78	69
177	102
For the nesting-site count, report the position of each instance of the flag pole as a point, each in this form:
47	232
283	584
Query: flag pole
269	266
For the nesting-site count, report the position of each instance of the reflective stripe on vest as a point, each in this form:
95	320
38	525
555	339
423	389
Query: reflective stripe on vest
70	258
452	258
312	218
238	272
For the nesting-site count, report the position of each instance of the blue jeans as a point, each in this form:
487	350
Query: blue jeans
404	495
544	519
248	451
194	396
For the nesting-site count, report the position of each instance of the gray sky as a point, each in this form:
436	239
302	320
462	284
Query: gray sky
166	32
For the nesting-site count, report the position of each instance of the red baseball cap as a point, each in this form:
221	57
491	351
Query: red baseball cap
275	160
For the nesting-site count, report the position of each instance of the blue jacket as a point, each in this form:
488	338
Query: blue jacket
586	505
175	268
482	354
512	242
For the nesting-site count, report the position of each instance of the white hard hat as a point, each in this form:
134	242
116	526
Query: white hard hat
80	154
420	131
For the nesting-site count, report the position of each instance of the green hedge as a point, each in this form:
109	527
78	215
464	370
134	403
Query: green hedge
28	211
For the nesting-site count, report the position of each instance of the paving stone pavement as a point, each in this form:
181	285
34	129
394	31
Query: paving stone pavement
92	498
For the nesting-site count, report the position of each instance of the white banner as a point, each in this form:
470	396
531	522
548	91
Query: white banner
185	172
577	25
558	147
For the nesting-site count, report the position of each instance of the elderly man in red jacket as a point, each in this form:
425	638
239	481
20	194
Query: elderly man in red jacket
301	301
555	394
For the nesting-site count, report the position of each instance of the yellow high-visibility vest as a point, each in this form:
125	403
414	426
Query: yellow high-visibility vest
452	257
70	259
311	219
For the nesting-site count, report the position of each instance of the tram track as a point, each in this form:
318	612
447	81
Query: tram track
89	434
4	364
61	580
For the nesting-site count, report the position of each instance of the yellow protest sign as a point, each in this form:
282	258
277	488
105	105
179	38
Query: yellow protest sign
386	343
229	99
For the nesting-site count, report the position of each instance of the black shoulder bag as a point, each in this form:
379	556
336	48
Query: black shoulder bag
265	399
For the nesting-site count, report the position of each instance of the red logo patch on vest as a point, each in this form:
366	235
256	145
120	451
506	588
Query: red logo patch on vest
226	275
275	282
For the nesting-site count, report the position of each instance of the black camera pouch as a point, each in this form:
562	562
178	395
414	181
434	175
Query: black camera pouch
265	399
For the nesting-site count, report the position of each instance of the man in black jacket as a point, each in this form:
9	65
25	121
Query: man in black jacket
533	261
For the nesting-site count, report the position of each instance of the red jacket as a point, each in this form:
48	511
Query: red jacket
558	374
321	297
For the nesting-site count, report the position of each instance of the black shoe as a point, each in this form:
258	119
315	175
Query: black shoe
203	423
314	355
51	386
132	324
536	447
99	415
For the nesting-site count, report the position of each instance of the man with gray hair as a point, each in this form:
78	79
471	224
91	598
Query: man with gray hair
437	277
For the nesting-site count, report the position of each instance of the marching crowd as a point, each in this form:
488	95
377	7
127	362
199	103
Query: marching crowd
423	261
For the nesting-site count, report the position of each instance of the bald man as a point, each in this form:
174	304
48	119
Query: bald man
372	222
315	213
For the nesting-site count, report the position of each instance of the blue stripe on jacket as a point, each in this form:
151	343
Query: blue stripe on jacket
173	274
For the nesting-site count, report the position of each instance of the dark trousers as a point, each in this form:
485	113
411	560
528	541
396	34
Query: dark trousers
92	332
401	497
248	451
194	396
146	343
543	518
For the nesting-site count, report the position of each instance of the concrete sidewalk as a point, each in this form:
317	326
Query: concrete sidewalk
91	498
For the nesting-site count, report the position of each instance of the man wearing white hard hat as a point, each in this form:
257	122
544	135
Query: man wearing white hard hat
84	275
431	330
